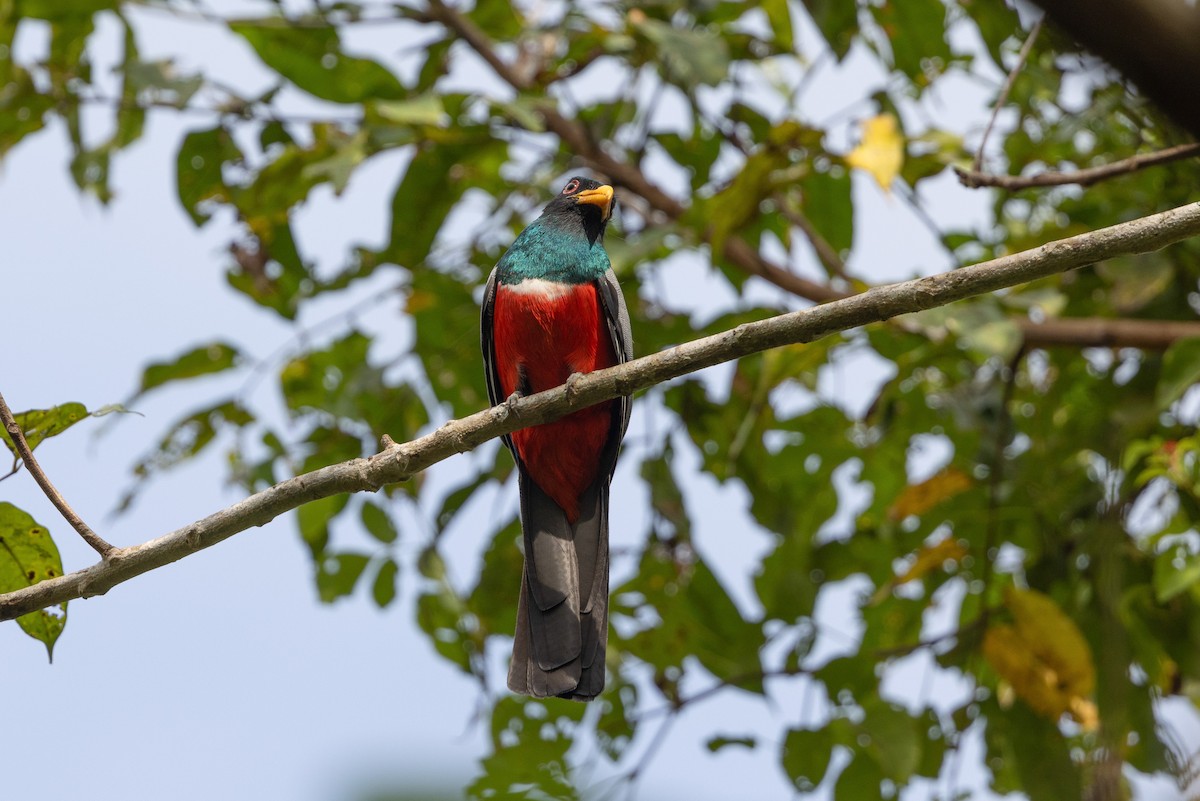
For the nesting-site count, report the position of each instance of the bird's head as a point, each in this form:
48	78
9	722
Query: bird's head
582	203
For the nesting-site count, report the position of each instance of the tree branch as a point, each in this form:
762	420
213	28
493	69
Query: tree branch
1102	332
400	462
1002	98
1086	177
22	447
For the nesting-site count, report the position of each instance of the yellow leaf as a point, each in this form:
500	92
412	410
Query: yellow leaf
1044	657
1010	656
881	151
917	499
932	557
1055	639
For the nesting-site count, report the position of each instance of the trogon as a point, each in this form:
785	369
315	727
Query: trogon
552	308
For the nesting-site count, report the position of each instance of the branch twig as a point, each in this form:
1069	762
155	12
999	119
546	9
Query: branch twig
1002	98
400	462
1085	177
826	253
18	440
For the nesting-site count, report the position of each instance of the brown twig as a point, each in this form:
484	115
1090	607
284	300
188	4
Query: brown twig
22	447
897	651
1101	332
825	251
1085	177
977	166
401	462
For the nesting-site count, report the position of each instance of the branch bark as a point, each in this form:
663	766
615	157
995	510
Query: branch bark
400	462
1086	177
17	436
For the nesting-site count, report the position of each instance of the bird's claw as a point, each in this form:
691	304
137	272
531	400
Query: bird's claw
570	386
510	402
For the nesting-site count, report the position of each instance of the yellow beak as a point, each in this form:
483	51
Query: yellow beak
601	196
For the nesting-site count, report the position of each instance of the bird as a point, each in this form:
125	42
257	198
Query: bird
552	308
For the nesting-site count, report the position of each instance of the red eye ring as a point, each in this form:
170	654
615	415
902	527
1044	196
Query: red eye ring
572	187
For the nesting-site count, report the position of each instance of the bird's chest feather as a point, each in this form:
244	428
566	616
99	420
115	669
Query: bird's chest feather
545	331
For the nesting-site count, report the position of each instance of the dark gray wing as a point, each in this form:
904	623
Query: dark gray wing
622	340
487	344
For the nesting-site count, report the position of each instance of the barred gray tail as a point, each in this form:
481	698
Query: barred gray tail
562	613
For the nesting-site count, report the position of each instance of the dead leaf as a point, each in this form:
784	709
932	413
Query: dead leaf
881	151
1044	657
917	499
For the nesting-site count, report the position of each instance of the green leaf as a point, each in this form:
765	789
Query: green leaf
38	425
187	438
805	756
780	18
1176	570
665	496
443	309
384	588
916	30
689	56
1040	753
715	744
312	58
338	573
440	615
828	206
1181	369
424	197
426	109
22	108
784	581
837	21
530	740
860	779
895	739
199	170
313	519
494	598
203	360
499	19
616	726
378	523
724	642
27	556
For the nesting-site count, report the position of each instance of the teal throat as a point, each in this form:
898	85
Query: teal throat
553	254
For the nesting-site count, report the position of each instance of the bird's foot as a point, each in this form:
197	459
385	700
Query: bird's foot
570	387
510	403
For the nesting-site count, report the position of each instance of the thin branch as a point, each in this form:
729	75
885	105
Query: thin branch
1004	90
898	651
827	254
1102	332
234	107
1085	177
401	462
22	447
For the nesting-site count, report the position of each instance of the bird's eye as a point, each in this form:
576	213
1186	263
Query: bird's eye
572	187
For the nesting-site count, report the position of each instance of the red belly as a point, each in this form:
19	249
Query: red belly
549	336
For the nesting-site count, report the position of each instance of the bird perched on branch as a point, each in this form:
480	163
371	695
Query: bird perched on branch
552	308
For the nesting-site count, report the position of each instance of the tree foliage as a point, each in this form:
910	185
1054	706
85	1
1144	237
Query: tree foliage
1048	560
